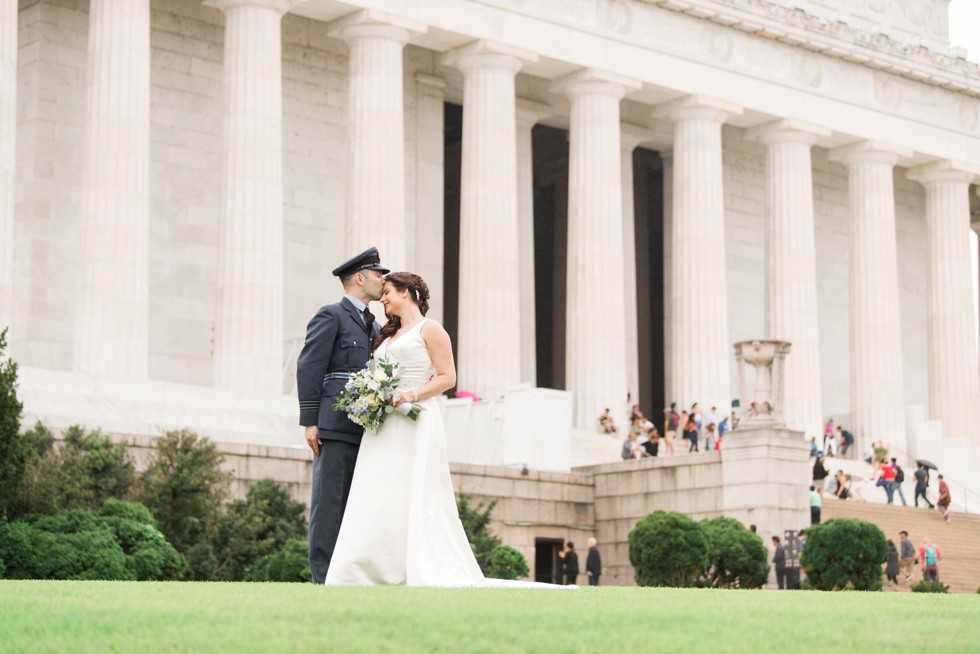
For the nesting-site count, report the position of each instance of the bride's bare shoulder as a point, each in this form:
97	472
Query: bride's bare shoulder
433	328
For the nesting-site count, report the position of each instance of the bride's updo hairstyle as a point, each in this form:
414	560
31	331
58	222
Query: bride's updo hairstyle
418	291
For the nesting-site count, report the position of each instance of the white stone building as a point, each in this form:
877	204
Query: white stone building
603	195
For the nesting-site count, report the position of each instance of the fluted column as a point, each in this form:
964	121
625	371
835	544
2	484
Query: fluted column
877	389
111	313
248	327
791	265
8	132
701	348
595	348
954	383
376	131
528	114
629	142
489	342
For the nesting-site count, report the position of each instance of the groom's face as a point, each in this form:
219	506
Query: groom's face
374	282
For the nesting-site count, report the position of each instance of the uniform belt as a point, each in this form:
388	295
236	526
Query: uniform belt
336	375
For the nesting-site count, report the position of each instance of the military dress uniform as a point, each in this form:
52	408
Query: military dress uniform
338	342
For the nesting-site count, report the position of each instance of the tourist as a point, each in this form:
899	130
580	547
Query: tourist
723	427
814	506
710	437
881	456
711	418
569	563
841	491
899	480
945	499
891	567
922	485
814	448
869	455
593	563
819	475
651	446
929	554
779	563
691	433
886	479
630	447
607	424
907	555
671	423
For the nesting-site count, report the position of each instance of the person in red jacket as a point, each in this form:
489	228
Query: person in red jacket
929	554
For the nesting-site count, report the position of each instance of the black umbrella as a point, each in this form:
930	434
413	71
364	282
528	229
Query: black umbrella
927	463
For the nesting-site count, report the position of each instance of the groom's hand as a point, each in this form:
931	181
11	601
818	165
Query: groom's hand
311	439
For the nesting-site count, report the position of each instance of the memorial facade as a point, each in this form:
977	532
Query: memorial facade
603	195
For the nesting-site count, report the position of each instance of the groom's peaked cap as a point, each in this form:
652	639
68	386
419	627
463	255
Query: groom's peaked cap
367	260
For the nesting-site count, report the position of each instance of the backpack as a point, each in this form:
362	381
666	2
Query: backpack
931	557
899	475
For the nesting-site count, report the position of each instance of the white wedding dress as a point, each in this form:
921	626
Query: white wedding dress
401	525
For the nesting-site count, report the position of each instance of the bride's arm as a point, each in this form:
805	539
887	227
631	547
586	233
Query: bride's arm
441	352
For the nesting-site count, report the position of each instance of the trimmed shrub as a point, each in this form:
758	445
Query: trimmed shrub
844	554
258	526
668	549
737	558
129	511
79	544
476	524
507	563
291	563
930	587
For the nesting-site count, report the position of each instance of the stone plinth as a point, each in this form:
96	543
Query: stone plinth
765	404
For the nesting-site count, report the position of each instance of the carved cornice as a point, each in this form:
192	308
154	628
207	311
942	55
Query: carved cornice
835	38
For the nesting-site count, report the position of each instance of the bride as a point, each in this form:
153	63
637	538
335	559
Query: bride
401	525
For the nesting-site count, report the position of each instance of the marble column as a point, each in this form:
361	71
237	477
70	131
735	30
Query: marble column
701	348
954	383
248	326
489	342
8	137
630	141
430	145
595	358
528	115
112	304
791	265
877	388
376	132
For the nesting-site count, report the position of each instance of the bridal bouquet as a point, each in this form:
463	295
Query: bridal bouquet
368	393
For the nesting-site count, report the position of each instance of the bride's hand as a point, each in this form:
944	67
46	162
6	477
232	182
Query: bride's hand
406	396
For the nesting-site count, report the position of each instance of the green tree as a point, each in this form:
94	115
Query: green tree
93	469
14	450
184	487
507	563
844	554
476	524
668	549
737	557
258	526
291	563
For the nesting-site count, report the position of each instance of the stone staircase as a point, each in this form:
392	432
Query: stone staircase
592	448
959	540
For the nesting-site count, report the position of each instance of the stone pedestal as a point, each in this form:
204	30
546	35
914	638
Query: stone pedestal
954	381
764	406
8	131
248	327
596	332
699	360
489	342
791	265
112	306
376	131
877	389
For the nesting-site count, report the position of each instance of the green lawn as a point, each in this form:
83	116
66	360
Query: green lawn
54	616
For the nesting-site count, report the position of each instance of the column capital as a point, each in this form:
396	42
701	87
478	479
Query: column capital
787	130
869	152
631	136
430	84
373	22
488	54
530	112
595	81
941	171
282	6
701	107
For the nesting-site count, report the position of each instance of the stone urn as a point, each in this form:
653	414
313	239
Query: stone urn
764	407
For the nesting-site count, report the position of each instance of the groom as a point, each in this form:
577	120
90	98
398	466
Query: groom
338	342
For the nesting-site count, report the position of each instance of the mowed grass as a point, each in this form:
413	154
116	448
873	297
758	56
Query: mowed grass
51	616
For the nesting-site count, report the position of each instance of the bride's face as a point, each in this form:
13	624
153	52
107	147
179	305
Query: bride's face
393	300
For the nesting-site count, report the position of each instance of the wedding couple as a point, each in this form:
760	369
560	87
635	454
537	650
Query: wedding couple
383	509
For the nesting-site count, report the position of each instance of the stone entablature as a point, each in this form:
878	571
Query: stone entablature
839	38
